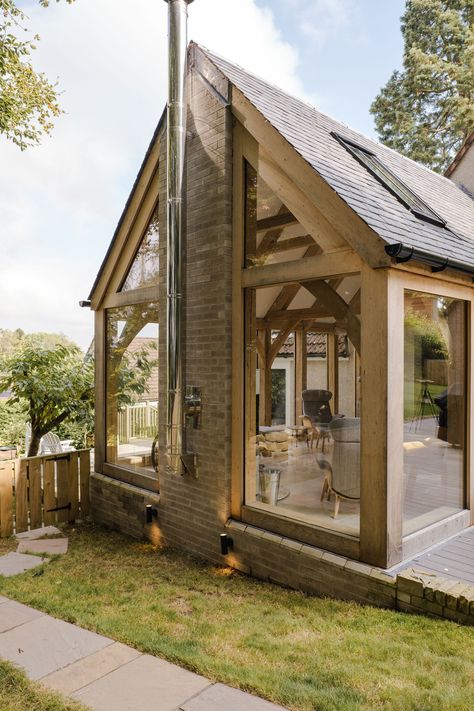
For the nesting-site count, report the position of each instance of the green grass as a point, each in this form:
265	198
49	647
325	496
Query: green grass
17	693
300	651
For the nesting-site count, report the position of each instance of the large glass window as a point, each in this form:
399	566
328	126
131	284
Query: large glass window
302	377
145	267
434	408
302	407
132	387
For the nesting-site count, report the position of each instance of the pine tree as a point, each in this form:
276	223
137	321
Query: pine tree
426	111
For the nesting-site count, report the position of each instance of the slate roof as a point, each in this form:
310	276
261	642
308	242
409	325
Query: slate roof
309	132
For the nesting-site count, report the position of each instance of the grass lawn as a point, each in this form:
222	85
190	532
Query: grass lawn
300	651
17	693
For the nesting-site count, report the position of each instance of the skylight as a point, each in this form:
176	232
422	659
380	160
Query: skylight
390	181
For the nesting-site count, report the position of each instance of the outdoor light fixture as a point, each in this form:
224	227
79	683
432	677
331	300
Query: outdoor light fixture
84	304
150	513
227	543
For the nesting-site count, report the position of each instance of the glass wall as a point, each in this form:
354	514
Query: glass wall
302	410
434	409
132	387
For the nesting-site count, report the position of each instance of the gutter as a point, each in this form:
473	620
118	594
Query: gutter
405	253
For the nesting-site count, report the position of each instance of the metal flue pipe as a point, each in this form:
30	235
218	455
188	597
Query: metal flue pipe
176	143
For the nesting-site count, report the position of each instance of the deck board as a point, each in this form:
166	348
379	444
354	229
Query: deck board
453	559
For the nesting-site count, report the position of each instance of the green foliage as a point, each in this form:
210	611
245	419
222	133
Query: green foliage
10	340
433	343
12	425
49	384
28	100
426	110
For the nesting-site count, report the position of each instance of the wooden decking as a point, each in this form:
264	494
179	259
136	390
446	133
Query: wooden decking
453	559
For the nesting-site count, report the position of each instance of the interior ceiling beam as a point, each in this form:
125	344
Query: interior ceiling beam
304	209
329	299
279	341
268	241
289	291
287	244
354	303
290	315
281	220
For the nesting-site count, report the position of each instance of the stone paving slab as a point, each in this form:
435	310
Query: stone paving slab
50	546
85	671
16	563
38	533
219	697
45	645
145	683
13	614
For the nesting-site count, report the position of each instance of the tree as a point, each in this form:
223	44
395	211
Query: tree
426	111
28	101
49	384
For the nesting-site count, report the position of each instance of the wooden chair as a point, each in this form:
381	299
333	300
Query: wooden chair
314	432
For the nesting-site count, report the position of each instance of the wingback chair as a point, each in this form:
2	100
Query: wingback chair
342	473
316	405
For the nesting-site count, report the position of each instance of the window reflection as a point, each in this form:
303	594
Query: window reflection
146	264
132	386
434	408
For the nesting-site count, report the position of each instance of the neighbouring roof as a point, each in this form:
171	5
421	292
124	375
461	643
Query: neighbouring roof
460	155
309	132
315	346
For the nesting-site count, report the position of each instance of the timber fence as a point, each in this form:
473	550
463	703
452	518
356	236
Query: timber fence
44	490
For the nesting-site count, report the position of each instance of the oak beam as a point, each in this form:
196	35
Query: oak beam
381	502
301	362
311	186
279	341
303	208
329	298
323	266
332	366
281	220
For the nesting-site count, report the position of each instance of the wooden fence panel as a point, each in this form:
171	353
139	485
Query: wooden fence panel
21	496
7	470
62	488
49	492
74	486
34	491
85	471
33	488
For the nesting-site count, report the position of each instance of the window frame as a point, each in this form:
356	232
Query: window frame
427	215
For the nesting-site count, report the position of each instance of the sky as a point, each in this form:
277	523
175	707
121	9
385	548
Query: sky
60	201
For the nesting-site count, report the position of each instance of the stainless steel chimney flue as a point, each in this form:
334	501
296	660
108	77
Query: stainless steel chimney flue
176	143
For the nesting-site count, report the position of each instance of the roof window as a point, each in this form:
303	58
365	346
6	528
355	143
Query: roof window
390	181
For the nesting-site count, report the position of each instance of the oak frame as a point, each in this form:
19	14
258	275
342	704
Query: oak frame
380	305
134	222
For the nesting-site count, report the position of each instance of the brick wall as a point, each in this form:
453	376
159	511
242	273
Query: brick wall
194	511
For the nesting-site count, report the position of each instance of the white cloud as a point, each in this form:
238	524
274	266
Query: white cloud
60	202
321	20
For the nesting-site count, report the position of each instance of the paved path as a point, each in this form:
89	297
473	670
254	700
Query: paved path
106	675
